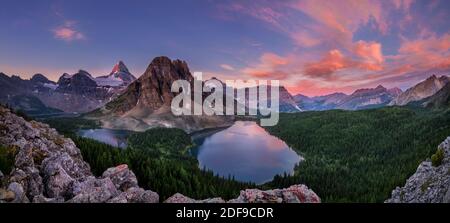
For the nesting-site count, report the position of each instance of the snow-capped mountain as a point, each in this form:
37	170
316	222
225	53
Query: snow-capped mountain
79	92
119	76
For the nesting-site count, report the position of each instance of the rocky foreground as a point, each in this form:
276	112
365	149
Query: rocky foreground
429	184
49	168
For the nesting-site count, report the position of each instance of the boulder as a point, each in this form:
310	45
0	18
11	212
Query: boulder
34	182
41	199
60	172
136	195
93	190
19	193
122	177
24	157
179	198
294	194
7	195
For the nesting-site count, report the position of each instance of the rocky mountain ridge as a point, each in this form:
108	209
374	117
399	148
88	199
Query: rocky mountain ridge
49	168
421	90
146	102
72	93
359	99
439	100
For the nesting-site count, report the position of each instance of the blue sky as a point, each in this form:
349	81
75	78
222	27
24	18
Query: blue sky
314	47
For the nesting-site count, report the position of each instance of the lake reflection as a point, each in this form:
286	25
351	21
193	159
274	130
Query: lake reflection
117	138
247	152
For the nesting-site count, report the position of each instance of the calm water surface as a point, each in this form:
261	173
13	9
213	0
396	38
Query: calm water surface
113	137
245	151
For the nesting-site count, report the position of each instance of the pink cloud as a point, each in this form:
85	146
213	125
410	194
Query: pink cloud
344	17
305	39
227	67
371	51
334	61
311	87
426	52
270	66
327	55
330	63
403	4
334	21
68	32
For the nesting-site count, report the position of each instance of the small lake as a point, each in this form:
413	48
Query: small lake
113	137
245	151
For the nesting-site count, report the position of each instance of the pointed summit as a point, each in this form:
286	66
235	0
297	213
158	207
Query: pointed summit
83	72
120	67
119	76
432	77
395	91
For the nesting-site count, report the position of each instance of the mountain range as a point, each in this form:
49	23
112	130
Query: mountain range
146	102
378	97
360	99
72	93
120	100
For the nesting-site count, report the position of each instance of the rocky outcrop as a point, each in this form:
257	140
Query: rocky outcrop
293	194
179	198
429	184
49	168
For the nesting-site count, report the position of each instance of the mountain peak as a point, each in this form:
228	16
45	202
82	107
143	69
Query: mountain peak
163	67
120	67
39	78
161	60
432	77
369	90
395	91
84	72
421	90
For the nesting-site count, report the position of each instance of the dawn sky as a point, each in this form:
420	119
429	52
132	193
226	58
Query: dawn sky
313	47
